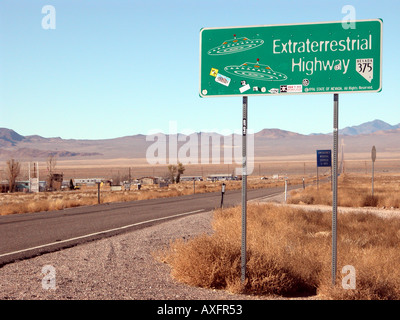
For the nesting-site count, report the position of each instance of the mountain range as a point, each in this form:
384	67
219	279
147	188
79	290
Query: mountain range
368	127
267	142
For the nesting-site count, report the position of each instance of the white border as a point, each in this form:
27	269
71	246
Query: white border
286	94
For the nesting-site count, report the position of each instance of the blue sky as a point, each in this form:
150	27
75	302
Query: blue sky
124	67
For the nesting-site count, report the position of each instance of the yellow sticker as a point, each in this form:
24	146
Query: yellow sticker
213	72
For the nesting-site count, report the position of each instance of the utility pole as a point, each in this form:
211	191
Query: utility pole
373	157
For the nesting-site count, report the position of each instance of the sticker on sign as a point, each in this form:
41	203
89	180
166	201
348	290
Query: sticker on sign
291	88
244	88
222	80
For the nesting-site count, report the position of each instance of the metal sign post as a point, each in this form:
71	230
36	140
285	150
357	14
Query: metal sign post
244	189
98	192
373	157
334	185
285	190
222	194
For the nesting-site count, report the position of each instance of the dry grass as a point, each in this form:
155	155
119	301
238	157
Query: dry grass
47	201
289	254
354	191
44	201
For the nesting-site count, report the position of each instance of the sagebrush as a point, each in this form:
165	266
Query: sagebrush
289	254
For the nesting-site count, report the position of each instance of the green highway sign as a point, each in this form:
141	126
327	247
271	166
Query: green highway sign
326	57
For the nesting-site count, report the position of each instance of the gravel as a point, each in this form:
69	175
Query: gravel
118	267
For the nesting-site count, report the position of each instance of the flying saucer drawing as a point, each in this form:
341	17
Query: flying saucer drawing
235	45
256	71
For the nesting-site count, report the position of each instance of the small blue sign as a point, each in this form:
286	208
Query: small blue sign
324	158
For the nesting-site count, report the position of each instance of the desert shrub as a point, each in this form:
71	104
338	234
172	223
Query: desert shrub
353	191
289	254
272	266
370	201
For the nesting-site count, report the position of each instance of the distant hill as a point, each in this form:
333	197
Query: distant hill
14	145
275	134
9	137
368	127
267	142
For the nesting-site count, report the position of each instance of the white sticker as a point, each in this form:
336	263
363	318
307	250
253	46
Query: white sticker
273	90
244	88
365	67
294	88
222	79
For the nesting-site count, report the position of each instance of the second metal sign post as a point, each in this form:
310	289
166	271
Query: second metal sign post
244	189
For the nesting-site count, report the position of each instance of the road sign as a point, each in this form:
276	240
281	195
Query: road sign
324	158
306	58
373	154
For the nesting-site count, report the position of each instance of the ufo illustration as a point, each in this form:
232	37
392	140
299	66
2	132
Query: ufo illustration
256	71
235	45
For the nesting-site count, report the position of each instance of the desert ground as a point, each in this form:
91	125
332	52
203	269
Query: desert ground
292	274
299	165
267	172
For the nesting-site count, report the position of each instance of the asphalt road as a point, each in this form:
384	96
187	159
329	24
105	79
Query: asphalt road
26	235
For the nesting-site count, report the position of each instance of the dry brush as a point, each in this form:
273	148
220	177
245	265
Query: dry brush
289	254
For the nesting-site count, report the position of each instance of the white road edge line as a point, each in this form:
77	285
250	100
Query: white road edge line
100	232
266	197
